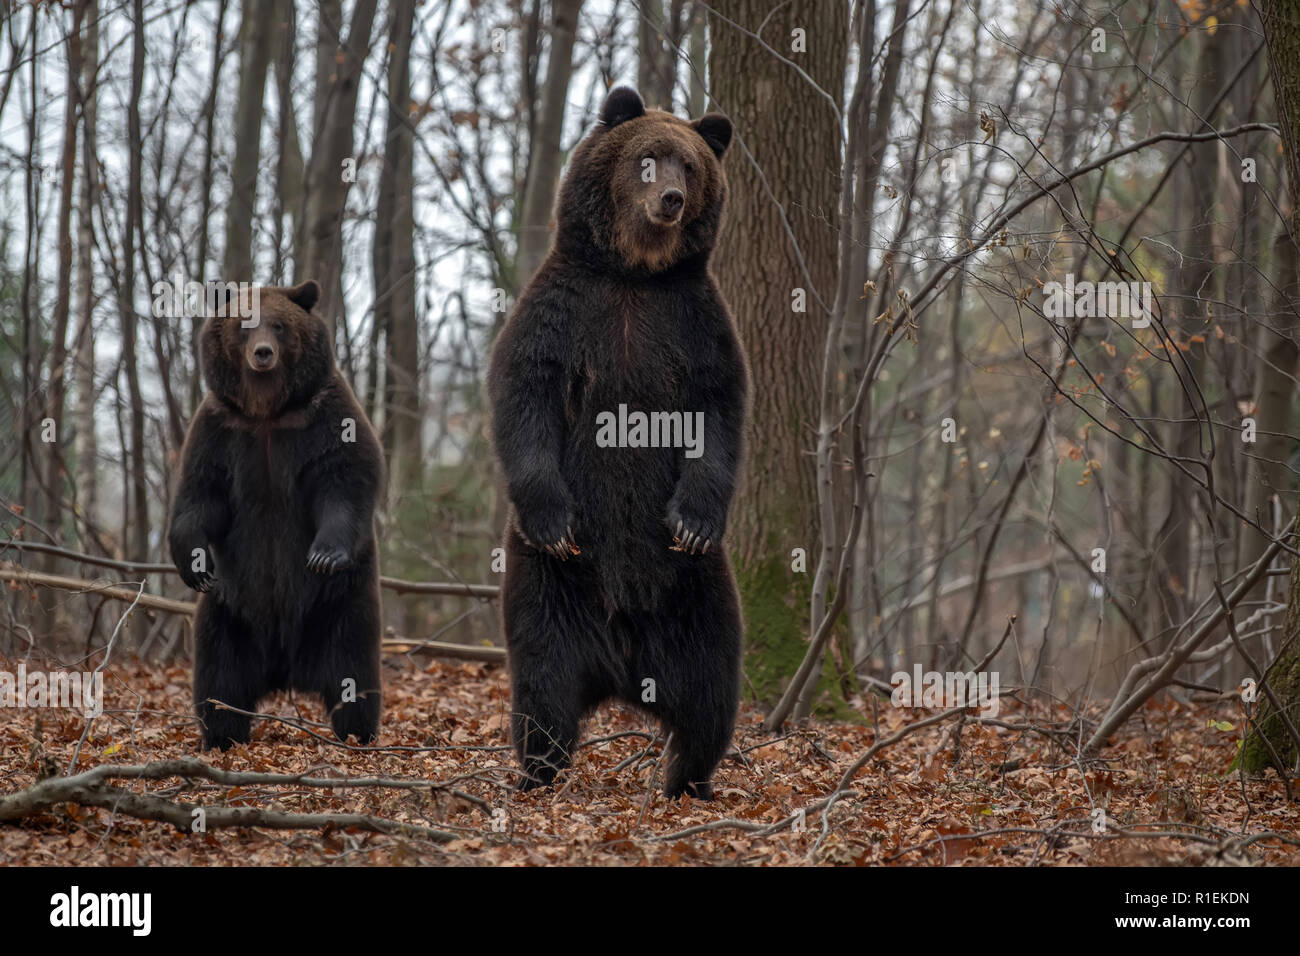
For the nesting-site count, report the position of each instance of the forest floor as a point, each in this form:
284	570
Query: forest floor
953	792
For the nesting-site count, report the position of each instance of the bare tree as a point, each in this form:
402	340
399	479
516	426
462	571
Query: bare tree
394	267
328	179
545	152
137	546
57	387
84	298
660	30
255	42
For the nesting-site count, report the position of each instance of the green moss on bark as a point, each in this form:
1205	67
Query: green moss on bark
775	600
1255	755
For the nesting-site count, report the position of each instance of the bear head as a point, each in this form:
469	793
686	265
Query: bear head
274	359
645	189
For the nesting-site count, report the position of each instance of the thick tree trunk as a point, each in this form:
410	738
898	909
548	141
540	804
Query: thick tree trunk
1181	541
1269	735
776	264
1266	460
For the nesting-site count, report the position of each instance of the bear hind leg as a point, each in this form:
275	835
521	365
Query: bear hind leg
699	742
693	657
545	736
559	663
346	667
228	667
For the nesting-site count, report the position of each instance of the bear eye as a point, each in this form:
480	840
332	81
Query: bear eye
690	168
277	327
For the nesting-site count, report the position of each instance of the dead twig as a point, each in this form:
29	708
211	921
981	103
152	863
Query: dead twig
89	789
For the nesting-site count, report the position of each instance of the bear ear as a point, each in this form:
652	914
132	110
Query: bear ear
622	104
304	294
716	131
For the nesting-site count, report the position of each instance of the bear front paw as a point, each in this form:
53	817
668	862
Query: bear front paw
692	533
201	581
195	567
327	559
553	535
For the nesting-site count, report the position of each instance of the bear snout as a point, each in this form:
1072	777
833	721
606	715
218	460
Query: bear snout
671	201
262	357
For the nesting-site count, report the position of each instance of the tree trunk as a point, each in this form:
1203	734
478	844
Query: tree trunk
31	279
209	153
545	147
328	180
54	407
1269	735
137	548
83	374
698	47
1266	461
659	31
394	268
1182	541
288	163
780	292
255	41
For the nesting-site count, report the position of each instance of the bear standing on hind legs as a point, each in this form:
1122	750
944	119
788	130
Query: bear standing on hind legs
618	392
274	522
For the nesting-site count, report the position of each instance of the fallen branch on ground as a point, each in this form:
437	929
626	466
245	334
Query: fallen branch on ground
400	586
116	592
1166	665
88	789
100	588
461	652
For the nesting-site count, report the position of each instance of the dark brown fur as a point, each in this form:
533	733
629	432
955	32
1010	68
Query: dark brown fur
616	572
274	522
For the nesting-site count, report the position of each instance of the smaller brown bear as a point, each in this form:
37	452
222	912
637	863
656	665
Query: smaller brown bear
274	522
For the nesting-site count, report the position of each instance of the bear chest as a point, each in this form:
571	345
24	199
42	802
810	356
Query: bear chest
634	352
265	466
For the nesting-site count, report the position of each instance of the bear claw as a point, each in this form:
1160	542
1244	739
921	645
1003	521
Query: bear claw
327	560
200	581
692	534
562	548
691	541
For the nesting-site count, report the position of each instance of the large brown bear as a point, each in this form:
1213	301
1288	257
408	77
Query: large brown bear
274	522
618	392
